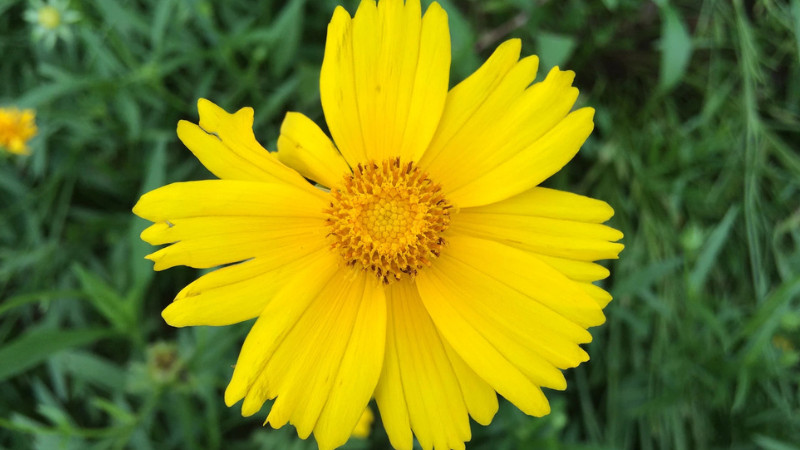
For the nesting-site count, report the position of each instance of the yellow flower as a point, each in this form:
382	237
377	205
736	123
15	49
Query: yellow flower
425	268
16	129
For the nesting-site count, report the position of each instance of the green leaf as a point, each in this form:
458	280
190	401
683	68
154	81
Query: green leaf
760	329
40	296
796	23
708	255
105	299
768	443
286	32
91	368
676	48
162	18
130	114
38	345
554	49
646	277
155	176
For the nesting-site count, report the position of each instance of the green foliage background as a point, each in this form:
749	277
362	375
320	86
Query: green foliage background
696	147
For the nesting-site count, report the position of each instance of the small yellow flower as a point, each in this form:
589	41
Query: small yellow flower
16	129
424	267
364	424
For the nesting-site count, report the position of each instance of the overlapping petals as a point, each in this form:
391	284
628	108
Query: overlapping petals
504	309
384	79
318	347
425	385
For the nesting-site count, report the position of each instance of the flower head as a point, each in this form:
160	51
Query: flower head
16	129
51	20
422	266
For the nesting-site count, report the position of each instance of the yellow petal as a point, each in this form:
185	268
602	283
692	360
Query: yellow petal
588	242
495	121
476	118
509	173
322	364
389	394
551	223
384	79
514	320
518	329
523	272
419	387
479	397
306	149
597	293
204	242
226	145
276	320
473	102
360	368
337	88
573	269
238	292
229	198
478	351
551	203
216	222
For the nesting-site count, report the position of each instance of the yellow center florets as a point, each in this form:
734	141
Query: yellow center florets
388	218
49	17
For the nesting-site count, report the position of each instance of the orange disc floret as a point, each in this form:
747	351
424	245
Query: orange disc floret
388	218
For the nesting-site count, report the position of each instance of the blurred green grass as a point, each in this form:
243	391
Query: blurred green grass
696	147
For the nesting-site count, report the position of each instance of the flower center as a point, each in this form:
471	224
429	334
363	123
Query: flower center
388	218
49	17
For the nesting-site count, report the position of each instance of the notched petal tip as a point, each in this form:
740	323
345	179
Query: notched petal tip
212	116
617	249
246	114
208	108
158	259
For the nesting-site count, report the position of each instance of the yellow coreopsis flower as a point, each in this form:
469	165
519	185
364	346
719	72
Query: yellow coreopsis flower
425	268
16	129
